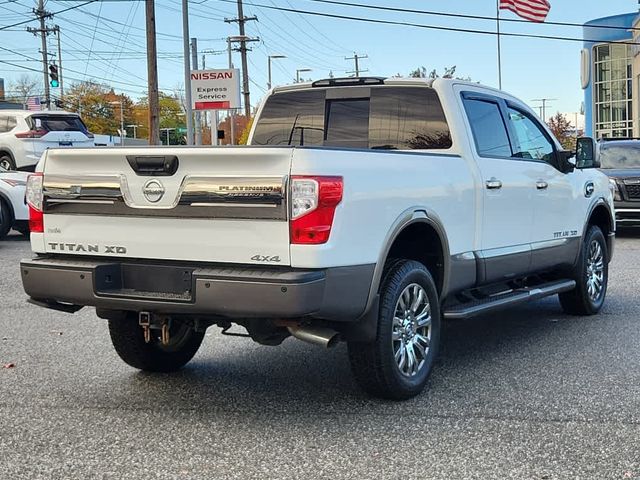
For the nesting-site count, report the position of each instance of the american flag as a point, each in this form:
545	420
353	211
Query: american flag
532	10
33	103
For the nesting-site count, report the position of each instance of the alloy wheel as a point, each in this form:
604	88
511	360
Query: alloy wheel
411	334
595	271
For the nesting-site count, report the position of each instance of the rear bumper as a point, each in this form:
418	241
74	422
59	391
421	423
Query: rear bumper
338	294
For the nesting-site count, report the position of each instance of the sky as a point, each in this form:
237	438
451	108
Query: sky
105	41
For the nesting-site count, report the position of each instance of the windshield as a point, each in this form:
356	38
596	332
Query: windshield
56	123
383	117
625	155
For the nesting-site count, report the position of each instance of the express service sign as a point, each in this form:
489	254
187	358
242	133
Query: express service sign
215	89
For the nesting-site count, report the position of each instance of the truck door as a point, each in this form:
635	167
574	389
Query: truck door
507	214
557	211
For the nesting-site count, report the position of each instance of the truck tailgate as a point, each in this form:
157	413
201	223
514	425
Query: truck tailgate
225	205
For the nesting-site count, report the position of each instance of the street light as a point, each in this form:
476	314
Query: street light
122	131
298	71
270	57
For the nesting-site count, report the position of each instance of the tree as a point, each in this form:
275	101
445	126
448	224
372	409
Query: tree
421	72
23	88
99	106
562	130
244	137
240	126
171	116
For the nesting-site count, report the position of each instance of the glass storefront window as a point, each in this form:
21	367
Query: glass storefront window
612	92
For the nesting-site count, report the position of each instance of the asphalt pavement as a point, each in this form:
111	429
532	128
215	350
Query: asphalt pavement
530	393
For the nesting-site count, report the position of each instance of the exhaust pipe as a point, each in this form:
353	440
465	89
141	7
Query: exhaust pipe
325	337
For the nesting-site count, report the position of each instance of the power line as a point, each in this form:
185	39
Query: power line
432	27
54	13
327	38
467	16
93	37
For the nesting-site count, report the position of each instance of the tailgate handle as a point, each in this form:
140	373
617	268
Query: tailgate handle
153	165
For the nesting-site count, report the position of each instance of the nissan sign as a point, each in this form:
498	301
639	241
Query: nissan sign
215	89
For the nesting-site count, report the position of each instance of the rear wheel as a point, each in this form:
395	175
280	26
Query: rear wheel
398	362
128	340
7	162
591	275
6	218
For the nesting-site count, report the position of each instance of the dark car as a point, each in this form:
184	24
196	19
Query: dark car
620	161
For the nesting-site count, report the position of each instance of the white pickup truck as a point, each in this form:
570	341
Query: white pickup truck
365	210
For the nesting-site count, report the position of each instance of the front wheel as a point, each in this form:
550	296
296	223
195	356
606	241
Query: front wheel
398	362
127	337
7	162
591	275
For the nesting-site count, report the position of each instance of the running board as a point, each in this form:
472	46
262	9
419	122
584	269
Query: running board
478	307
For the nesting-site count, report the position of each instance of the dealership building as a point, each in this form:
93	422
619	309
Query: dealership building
610	76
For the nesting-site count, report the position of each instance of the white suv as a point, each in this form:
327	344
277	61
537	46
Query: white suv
25	135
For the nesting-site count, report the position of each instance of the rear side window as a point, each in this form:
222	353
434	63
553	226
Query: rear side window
56	123
489	130
7	123
408	118
383	118
294	118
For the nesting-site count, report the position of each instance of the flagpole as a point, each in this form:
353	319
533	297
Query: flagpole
499	55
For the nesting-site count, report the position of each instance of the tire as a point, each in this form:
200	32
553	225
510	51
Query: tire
6	218
127	338
374	364
592	271
7	162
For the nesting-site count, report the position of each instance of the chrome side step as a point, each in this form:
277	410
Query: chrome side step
504	300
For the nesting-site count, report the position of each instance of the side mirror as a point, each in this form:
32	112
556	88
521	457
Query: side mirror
566	161
587	154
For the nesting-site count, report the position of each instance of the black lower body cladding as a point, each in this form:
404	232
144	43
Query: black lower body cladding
336	294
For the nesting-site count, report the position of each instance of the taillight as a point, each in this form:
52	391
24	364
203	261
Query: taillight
34	197
32	134
313	204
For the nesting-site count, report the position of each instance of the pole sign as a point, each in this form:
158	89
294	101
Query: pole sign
215	89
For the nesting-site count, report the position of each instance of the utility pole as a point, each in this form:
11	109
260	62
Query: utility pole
543	107
152	74
356	58
42	15
243	51
57	32
194	62
232	128
188	110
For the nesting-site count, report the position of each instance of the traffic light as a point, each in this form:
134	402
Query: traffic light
53	75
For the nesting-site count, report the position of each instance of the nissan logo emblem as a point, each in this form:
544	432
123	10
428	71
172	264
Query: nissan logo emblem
153	191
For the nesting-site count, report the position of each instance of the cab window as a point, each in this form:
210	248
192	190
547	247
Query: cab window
531	140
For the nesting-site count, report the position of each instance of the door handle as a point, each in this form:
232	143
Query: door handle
541	185
493	183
